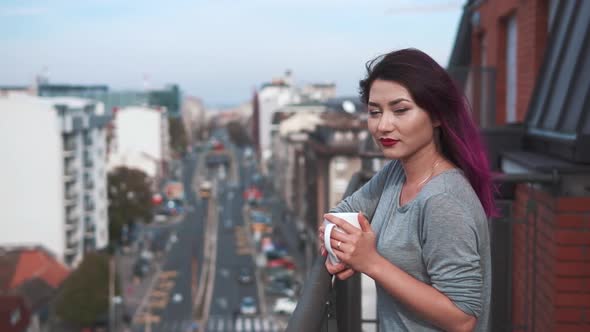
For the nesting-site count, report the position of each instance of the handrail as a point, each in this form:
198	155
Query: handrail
311	307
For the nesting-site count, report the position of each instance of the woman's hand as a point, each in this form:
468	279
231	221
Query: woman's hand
355	248
340	270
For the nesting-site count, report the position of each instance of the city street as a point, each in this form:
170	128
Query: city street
184	287
168	305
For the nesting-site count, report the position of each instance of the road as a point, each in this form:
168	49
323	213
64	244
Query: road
168	306
235	252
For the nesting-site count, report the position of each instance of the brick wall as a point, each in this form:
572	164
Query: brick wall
531	17
551	262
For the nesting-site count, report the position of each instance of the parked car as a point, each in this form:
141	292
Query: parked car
284	306
279	288
248	306
141	267
285	262
279	273
276	253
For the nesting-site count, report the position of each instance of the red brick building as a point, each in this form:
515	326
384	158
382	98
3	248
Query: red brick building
525	66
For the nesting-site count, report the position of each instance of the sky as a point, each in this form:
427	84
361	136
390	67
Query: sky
216	50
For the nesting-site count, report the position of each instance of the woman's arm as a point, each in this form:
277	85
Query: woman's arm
453	299
419	297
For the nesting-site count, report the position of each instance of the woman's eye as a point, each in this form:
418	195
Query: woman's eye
374	111
400	111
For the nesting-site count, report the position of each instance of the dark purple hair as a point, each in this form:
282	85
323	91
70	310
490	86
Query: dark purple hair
434	91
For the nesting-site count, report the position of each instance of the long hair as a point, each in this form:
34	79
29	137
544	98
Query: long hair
434	91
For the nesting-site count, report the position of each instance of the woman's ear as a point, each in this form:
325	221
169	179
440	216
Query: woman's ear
435	123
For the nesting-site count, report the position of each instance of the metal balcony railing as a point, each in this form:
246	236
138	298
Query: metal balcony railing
335	306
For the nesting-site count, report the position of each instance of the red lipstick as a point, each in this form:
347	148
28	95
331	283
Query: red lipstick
388	141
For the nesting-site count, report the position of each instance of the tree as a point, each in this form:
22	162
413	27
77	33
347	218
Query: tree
178	140
83	299
129	199
238	134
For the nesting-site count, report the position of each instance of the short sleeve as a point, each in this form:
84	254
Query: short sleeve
451	252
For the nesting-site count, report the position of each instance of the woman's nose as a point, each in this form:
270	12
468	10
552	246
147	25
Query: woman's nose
386	123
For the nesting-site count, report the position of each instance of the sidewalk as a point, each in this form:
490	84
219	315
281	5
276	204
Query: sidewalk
133	288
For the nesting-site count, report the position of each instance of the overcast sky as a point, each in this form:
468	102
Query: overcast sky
218	50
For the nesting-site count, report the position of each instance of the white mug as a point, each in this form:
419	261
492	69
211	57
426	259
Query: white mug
351	218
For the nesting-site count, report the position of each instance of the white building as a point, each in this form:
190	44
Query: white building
194	118
271	98
53	175
141	140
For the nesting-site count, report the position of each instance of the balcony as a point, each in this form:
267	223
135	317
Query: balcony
89	184
89	234
71	197
73	240
70	174
71	252
71	226
89	206
72	219
69	154
69	148
88	163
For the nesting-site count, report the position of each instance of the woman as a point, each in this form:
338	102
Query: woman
427	246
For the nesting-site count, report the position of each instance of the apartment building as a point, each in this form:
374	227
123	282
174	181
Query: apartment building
54	175
524	65
141	140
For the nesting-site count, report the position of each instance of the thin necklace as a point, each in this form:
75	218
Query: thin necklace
431	173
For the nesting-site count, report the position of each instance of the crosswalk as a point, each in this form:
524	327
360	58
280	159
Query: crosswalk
226	323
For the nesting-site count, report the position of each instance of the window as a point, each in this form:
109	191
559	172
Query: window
511	69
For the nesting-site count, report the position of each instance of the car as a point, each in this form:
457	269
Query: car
248	306
275	254
245	276
177	298
205	189
284	262
284	306
279	288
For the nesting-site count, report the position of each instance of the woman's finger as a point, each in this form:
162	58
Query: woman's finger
347	273
340	245
343	224
334	268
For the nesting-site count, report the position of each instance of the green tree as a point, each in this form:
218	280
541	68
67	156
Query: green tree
83	298
178	139
129	199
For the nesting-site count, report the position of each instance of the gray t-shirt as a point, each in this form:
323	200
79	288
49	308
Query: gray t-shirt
440	238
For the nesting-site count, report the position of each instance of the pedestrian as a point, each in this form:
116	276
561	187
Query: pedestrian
427	245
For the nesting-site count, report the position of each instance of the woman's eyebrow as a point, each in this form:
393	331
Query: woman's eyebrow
391	103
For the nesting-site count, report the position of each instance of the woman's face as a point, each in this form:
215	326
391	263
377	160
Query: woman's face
397	124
